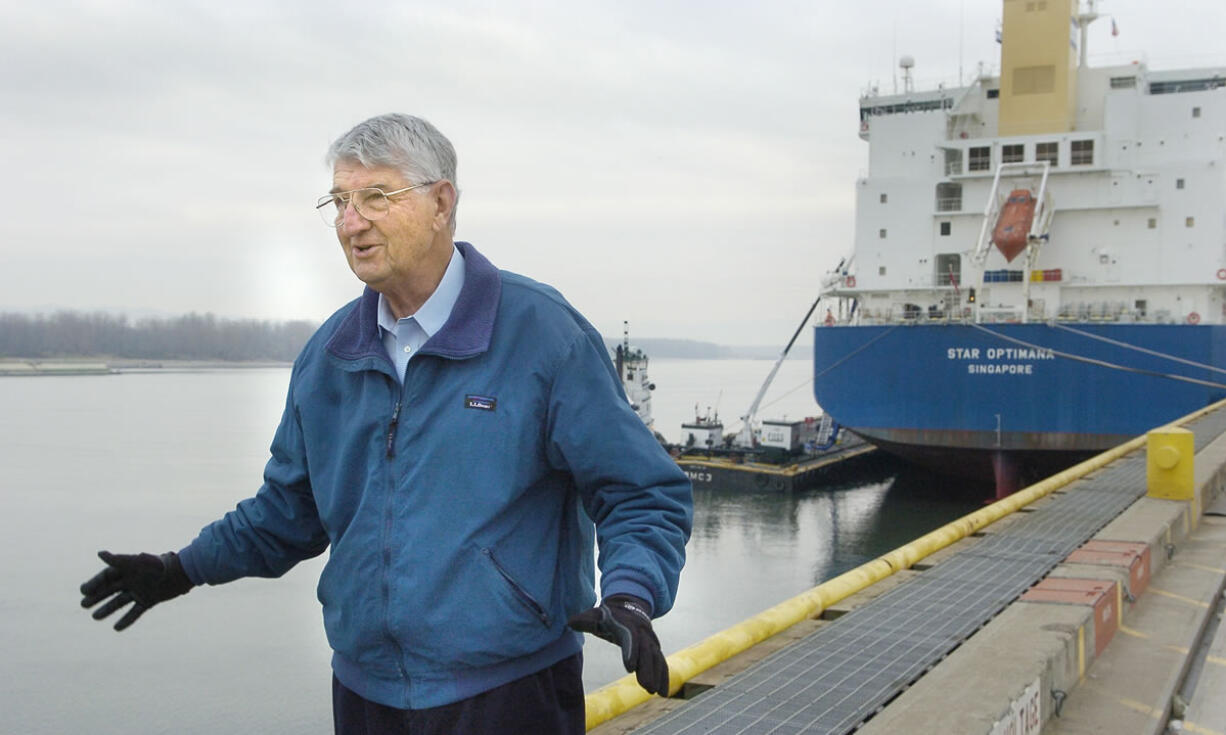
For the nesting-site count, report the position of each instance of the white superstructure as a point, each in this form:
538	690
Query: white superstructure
1127	175
631	365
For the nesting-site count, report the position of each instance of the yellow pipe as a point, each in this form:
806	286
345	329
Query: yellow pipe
619	696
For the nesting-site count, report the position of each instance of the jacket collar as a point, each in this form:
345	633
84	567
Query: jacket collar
465	334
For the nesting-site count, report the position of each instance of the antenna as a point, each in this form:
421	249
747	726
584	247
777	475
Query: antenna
894	55
961	38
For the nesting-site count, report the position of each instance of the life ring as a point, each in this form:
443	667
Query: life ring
849	281
1221	274
1193	318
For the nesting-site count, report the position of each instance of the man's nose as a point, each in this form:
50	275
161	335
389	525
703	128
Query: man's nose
352	221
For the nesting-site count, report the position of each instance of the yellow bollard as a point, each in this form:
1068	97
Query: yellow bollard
1168	465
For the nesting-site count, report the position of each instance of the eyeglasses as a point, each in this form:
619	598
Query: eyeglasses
371	203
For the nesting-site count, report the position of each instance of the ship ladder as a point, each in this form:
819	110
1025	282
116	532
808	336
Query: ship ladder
827	432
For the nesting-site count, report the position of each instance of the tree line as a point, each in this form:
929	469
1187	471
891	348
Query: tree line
190	337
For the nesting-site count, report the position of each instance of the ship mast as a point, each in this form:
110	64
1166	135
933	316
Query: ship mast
1084	19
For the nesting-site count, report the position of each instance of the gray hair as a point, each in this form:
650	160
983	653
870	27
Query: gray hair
409	144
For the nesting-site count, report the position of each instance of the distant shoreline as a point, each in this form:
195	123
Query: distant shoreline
40	367
68	336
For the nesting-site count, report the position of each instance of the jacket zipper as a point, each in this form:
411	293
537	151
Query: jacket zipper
387	552
391	429
520	592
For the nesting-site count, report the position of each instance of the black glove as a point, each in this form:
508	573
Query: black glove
623	621
142	579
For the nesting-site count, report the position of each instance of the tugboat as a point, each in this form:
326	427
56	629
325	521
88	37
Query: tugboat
631	364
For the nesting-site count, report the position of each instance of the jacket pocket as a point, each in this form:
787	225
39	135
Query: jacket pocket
521	594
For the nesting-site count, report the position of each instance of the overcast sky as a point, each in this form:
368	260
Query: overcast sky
688	166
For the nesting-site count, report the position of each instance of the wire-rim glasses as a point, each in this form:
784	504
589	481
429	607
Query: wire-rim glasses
370	202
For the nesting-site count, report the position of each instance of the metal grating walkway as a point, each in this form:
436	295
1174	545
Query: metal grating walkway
835	679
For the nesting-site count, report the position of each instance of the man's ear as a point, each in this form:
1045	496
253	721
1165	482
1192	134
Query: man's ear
445	196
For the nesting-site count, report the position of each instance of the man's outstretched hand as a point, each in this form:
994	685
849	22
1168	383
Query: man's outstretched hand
141	579
623	620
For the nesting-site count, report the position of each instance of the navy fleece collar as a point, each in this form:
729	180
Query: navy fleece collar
466	333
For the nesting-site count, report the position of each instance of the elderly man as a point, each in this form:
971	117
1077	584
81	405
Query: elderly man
456	435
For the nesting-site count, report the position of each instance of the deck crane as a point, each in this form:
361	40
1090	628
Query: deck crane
744	437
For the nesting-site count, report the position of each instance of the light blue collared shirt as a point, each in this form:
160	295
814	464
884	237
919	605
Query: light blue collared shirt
403	338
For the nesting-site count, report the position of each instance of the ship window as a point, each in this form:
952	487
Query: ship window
1082	153
881	233
881	270
1012	153
953	161
1152	223
1049	152
949	269
1190	222
945	229
1186	85
1140	306
993	94
1178	183
1123	82
920	106
1195	112
949	197
979	158
884	198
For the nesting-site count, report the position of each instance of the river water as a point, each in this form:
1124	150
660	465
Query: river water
139	461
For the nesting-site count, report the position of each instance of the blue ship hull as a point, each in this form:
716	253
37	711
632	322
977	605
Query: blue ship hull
942	392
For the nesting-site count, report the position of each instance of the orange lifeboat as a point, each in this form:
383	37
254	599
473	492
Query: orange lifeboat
1013	224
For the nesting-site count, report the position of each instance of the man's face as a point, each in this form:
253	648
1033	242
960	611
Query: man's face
387	252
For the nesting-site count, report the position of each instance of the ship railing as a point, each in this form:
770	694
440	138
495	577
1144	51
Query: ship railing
924	86
1000	314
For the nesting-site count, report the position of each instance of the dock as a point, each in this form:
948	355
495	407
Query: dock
794	474
1088	602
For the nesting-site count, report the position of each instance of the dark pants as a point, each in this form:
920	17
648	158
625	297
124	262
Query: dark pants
548	702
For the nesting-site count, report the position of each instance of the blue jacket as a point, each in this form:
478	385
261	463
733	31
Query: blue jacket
459	508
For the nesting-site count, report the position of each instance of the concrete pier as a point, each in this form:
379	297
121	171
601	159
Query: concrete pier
1093	608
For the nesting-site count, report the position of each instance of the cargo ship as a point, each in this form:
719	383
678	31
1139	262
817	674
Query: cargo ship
1039	265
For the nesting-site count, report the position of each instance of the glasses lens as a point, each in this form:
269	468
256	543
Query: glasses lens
331	209
370	203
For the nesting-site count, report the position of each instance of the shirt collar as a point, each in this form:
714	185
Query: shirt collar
467	333
433	314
